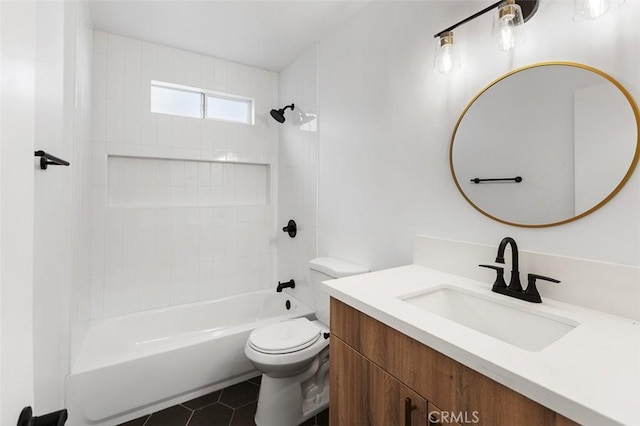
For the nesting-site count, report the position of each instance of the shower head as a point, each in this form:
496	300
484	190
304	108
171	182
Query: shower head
278	114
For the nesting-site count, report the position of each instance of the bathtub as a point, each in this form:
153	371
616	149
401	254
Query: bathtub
143	362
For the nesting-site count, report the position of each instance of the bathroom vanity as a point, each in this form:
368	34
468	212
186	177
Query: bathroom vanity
374	369
396	359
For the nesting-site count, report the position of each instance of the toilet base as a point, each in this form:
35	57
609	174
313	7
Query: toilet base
289	401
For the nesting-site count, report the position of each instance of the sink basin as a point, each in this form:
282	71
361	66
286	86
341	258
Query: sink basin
532	331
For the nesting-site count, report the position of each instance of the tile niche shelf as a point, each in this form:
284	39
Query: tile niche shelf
173	182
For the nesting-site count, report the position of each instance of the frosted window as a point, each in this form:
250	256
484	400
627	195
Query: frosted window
169	98
220	108
176	102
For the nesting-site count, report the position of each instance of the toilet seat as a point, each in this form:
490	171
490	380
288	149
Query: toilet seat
284	337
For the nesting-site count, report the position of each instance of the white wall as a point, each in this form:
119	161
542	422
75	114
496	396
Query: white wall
45	90
52	215
17	106
78	126
60	243
387	119
147	257
298	171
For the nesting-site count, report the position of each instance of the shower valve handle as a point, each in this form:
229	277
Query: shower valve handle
291	228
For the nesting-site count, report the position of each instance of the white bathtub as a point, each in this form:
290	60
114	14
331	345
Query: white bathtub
143	362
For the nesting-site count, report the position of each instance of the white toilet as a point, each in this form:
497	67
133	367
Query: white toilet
293	355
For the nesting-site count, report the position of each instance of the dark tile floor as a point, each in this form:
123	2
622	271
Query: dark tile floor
232	406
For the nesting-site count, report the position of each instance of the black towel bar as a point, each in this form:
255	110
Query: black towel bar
48	159
478	180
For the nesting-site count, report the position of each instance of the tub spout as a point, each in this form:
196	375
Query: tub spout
288	284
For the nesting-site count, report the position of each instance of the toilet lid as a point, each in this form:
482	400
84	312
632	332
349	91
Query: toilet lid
284	337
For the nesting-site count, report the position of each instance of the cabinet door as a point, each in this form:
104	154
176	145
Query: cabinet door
437	417
364	394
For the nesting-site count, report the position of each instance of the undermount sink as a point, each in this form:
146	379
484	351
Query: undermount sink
532	331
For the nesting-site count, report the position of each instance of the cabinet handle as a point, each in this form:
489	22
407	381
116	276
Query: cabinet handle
408	408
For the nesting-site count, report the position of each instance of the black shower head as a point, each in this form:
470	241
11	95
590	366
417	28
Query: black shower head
278	114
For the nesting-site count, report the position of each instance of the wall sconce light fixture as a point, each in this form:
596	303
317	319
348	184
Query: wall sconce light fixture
446	58
593	9
507	30
507	26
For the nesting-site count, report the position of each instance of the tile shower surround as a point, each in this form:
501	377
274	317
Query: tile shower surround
168	235
298	174
157	182
233	406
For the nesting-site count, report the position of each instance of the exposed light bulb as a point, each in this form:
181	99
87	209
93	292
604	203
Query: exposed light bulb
446	58
506	40
507	26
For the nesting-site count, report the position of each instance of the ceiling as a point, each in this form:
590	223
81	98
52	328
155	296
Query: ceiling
266	34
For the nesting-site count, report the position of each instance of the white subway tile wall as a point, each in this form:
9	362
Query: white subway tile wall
181	207
156	182
298	173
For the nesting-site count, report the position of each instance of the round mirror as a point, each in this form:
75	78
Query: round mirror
545	144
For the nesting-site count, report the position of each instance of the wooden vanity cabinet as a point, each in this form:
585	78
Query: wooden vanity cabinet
367	395
374	368
438	417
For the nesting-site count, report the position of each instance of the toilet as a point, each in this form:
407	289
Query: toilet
293	355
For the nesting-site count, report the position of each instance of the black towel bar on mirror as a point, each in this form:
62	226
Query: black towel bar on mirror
517	179
48	159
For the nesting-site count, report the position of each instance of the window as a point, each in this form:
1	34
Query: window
167	98
238	110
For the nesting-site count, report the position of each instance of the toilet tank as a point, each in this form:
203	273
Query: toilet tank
327	268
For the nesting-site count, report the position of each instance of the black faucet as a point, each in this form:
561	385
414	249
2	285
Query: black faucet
514	282
514	289
288	284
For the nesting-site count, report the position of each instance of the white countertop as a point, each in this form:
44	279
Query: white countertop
590	375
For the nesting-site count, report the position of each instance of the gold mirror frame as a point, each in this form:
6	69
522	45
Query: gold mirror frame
613	193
